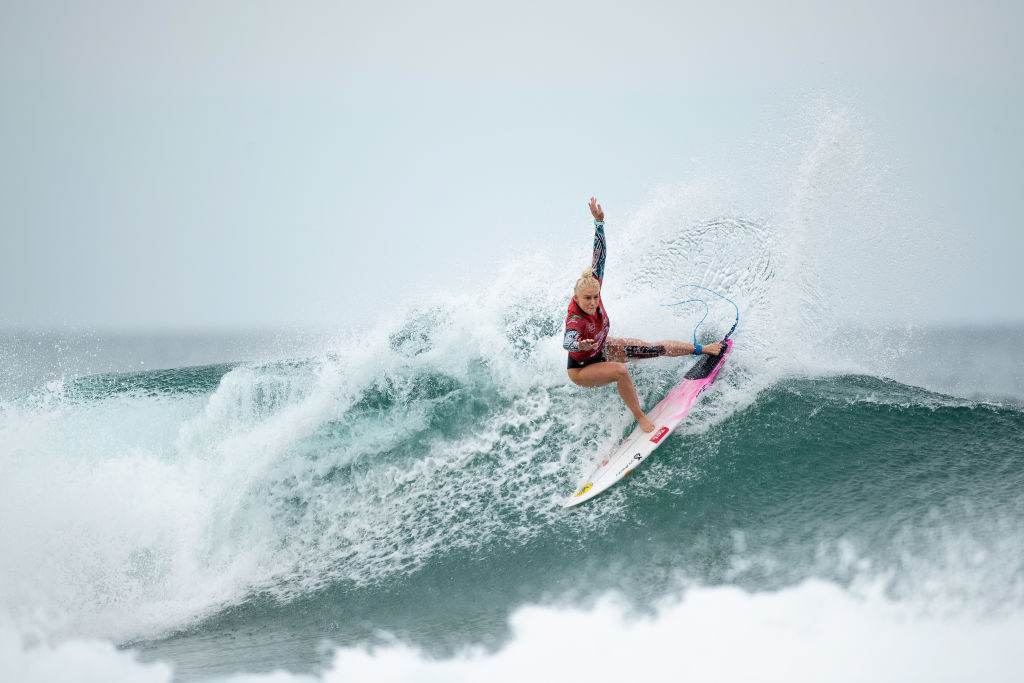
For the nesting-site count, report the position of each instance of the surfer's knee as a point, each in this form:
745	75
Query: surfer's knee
620	372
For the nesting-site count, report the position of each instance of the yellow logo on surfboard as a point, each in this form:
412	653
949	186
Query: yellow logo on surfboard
583	489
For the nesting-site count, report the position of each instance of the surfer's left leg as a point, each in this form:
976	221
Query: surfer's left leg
599	374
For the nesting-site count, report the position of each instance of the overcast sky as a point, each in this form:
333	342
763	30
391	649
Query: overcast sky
184	165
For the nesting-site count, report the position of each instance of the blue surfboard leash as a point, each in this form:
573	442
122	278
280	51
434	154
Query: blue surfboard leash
707	310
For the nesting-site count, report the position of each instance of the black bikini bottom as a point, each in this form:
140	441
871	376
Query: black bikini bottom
599	358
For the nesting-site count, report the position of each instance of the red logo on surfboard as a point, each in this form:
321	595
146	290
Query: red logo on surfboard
659	435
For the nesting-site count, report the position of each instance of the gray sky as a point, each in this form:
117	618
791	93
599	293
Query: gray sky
257	163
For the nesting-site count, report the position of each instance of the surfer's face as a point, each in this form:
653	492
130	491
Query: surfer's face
588	298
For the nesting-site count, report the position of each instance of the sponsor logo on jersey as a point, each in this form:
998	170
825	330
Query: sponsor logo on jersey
659	435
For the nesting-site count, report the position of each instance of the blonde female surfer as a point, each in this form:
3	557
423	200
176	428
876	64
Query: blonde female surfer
595	359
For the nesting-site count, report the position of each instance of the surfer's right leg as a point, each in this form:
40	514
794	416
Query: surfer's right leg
600	374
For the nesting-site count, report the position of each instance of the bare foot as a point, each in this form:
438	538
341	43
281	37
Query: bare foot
646	424
713	349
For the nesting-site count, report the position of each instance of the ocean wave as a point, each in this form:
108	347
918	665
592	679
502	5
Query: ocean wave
314	478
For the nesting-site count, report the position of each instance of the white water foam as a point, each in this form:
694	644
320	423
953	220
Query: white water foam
811	632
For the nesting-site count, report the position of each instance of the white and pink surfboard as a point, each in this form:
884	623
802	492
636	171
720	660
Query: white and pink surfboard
665	416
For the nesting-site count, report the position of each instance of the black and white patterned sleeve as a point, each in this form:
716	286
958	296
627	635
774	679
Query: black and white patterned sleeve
600	250
571	342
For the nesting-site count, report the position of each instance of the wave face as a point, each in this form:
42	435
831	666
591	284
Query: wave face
141	504
407	477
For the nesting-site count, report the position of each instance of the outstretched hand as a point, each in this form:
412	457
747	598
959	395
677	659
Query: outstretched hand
595	210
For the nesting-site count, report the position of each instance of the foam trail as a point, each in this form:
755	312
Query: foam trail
811	632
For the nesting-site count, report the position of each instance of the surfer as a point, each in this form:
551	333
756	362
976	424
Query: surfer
595	359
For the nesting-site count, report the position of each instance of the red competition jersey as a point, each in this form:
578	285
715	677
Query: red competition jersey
586	327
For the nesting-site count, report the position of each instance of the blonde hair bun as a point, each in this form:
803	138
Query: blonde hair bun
587	279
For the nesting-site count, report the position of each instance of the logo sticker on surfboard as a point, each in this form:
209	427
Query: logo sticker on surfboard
659	435
583	489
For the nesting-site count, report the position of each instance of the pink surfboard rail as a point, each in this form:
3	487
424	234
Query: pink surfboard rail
682	397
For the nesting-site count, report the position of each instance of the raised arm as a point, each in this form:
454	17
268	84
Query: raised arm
600	247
